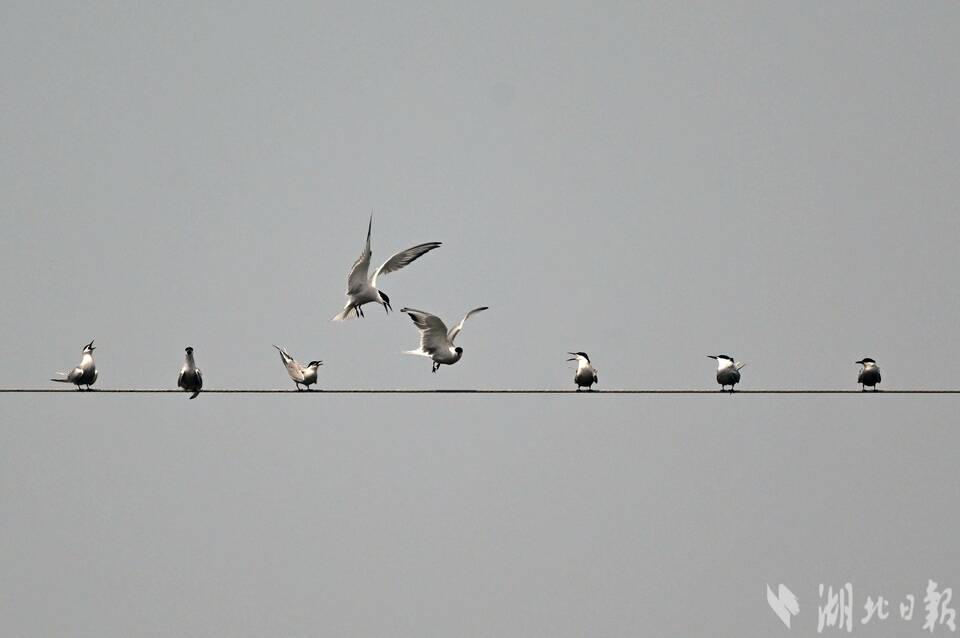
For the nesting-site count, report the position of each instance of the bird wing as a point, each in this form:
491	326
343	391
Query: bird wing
457	328
76	373
403	258
433	332
180	379
294	369
199	379
358	273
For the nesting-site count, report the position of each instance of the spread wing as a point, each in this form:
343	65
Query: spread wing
433	333
403	258
358	273
457	328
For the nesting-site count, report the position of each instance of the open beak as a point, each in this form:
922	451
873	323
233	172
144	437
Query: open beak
571	359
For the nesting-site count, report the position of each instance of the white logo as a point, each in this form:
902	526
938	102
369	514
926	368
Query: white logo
784	604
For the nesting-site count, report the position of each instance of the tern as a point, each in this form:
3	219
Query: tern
83	374
435	341
728	371
305	374
190	379
586	374
362	289
870	375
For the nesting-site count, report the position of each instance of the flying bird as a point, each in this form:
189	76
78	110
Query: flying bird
190	379
728	371
83	374
305	374
869	375
586	374
435	341
362	289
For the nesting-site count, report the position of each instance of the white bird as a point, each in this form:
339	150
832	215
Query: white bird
83	374
586	374
435	341
728	371
869	375
190	379
305	374
362	289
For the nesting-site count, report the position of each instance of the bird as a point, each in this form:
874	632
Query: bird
435	341
869	375
305	374
362	289
728	371
190	379
83	374
586	374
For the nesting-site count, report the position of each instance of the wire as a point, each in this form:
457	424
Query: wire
453	391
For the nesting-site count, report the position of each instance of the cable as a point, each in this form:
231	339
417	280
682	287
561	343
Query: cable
453	391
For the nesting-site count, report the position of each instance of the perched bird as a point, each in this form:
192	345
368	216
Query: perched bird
190	378
305	374
586	374
362	289
83	374
870	375
728	371
435	341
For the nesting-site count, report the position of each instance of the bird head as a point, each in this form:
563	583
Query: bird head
578	355
189	350
89	347
385	300
315	364
865	361
458	350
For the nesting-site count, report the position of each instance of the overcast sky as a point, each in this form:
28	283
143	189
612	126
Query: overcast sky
647	182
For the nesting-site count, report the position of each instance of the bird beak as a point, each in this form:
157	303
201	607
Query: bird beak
571	359
712	356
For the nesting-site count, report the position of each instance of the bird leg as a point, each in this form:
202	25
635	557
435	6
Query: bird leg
436	366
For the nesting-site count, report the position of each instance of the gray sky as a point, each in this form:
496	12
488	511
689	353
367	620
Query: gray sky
646	182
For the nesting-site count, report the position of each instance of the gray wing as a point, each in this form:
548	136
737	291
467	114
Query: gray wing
75	374
403	258
294	369
199	379
433	332
358	273
457	328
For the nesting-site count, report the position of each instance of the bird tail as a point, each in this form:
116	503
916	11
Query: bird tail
739	365
345	314
61	380
195	394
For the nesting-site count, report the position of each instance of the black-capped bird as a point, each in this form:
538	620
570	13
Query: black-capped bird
362	289
83	374
435	341
586	374
190	379
869	375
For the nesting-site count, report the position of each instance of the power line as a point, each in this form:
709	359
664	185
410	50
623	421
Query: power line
454	391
